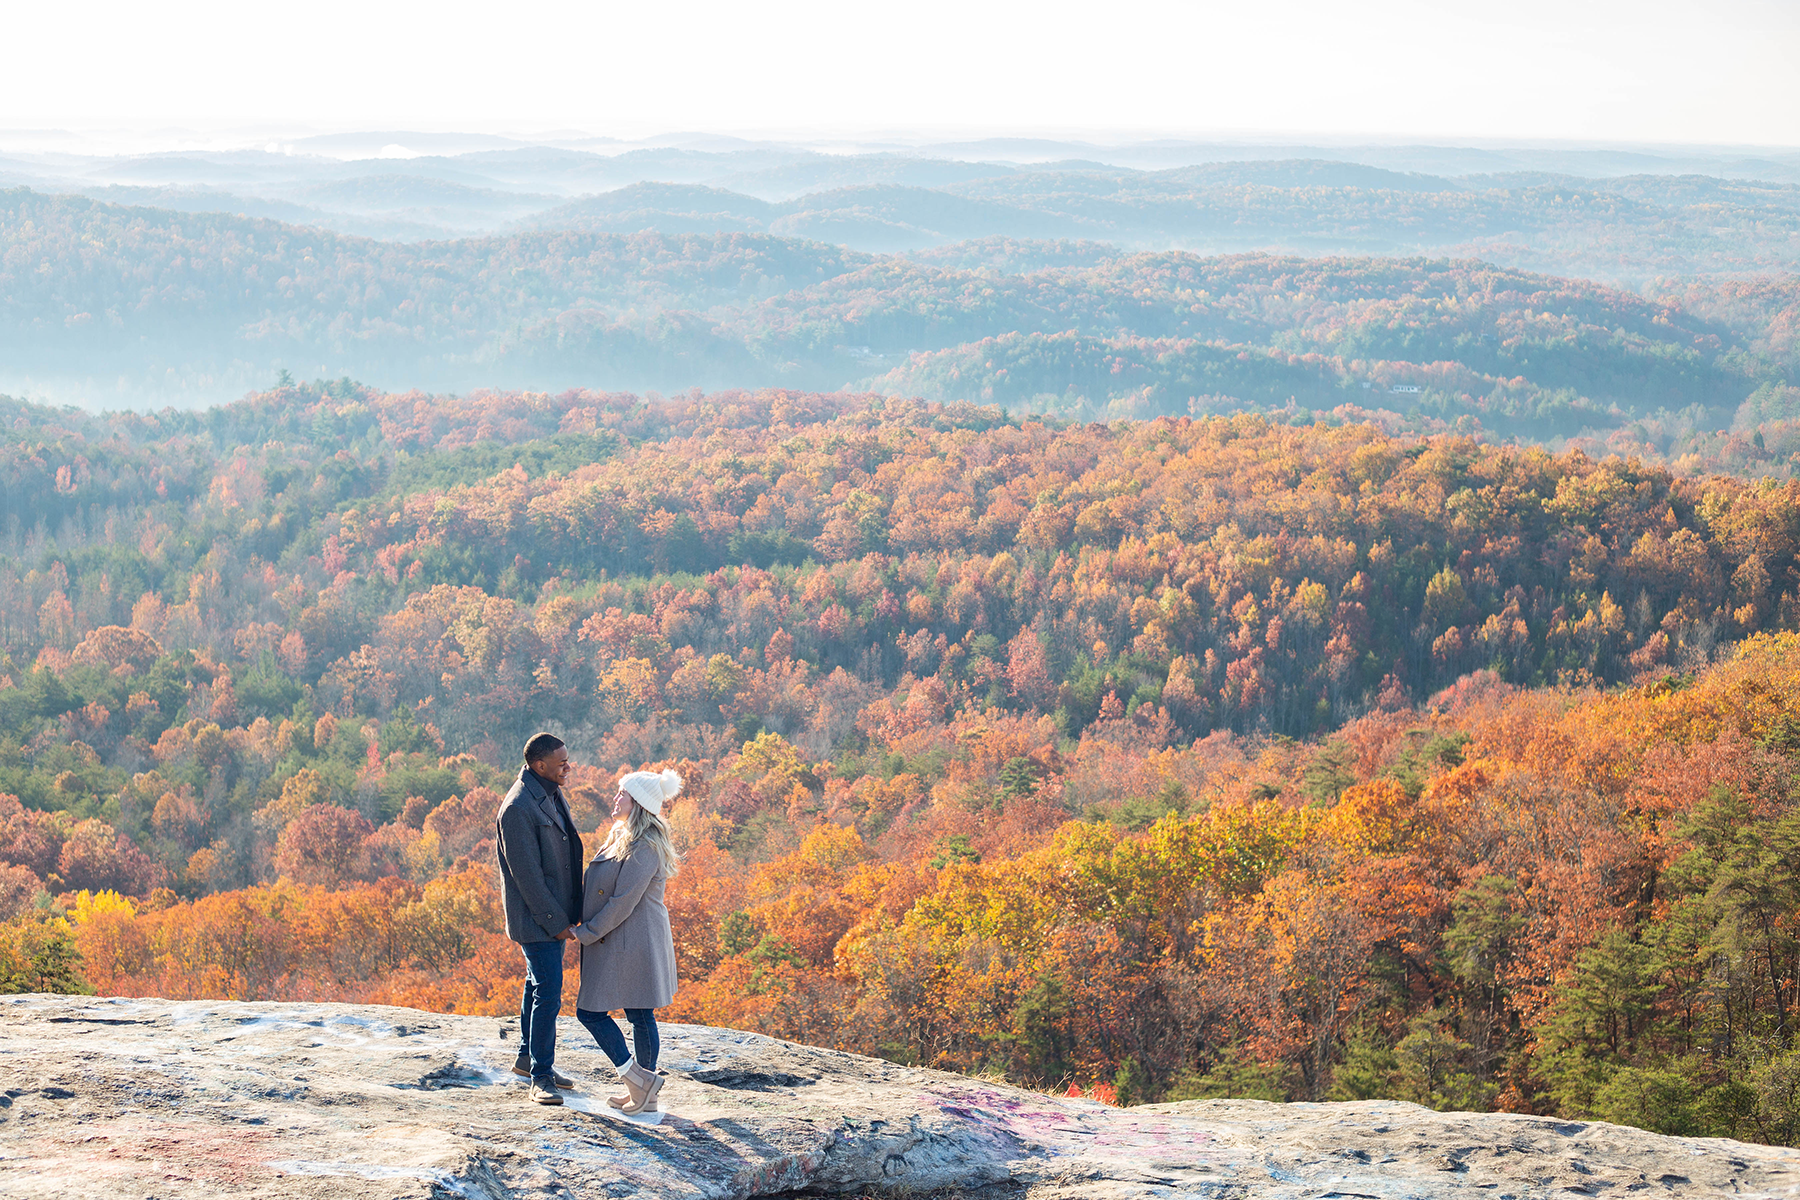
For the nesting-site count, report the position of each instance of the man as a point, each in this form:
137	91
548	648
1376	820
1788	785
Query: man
540	874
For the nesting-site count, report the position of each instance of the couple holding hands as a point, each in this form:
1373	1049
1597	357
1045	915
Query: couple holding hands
613	909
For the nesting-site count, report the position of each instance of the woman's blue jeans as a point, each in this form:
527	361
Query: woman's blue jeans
644	1037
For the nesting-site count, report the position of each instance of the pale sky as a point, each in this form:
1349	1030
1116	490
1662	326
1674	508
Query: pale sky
1663	71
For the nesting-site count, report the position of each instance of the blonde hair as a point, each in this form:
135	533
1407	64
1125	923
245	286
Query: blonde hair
641	825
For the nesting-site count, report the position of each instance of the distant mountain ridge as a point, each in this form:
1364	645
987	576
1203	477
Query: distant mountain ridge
164	304
1622	215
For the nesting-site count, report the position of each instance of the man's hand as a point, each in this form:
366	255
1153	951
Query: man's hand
566	935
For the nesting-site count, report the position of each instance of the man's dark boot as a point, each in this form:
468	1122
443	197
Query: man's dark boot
544	1092
522	1066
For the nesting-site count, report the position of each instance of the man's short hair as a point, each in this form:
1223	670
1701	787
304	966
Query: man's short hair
542	746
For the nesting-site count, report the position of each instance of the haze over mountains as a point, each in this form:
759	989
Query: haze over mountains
1009	270
1205	197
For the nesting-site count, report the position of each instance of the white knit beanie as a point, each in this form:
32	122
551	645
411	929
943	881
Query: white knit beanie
652	789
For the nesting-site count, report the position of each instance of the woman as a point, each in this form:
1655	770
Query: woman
627	951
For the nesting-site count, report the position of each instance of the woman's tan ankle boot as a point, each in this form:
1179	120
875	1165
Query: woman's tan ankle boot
643	1087
623	1098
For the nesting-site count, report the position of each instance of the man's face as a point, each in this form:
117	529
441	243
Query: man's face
554	766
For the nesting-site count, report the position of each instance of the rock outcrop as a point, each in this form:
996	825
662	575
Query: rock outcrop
155	1098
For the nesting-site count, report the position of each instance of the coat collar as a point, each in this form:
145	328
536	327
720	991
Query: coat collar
539	791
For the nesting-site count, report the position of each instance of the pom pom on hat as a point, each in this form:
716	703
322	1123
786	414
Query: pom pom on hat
652	789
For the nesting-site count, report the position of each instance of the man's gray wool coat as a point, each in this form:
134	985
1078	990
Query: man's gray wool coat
540	861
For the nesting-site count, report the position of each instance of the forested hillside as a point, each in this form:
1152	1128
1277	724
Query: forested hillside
191	302
1184	757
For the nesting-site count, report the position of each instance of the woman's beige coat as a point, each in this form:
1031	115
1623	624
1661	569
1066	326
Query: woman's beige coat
627	951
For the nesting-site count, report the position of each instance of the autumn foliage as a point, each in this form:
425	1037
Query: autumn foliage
1177	759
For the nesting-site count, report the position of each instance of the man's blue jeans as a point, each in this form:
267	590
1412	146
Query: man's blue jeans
540	1004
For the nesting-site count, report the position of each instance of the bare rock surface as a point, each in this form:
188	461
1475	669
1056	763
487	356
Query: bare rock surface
156	1098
